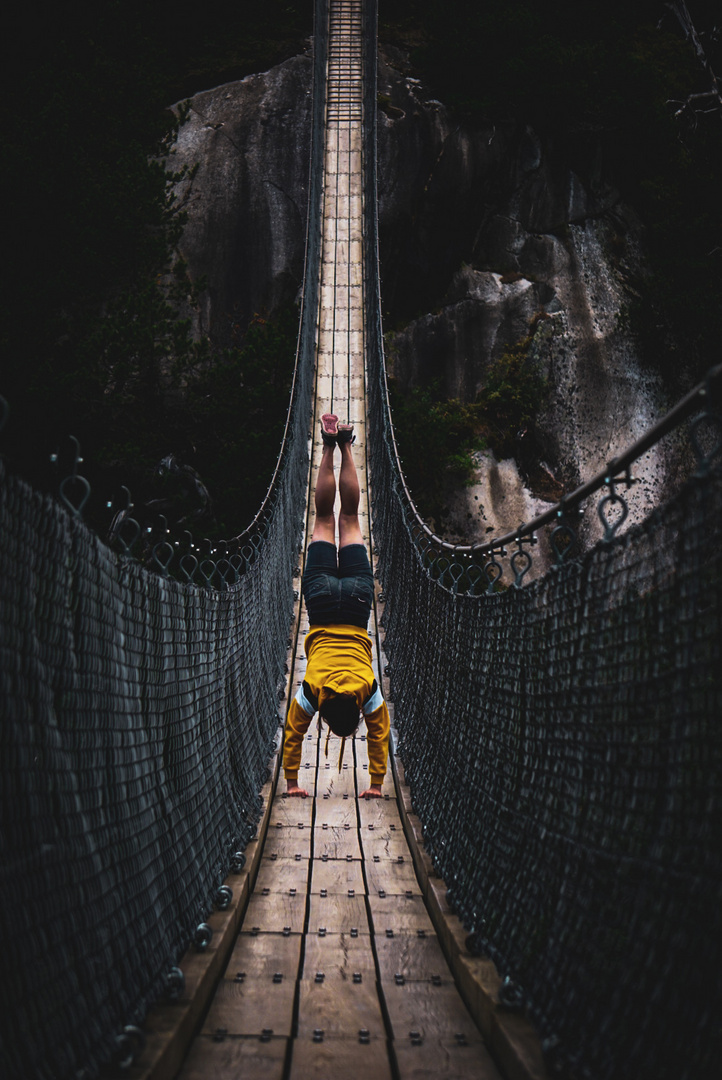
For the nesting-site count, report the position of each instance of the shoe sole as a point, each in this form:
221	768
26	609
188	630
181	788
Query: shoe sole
329	425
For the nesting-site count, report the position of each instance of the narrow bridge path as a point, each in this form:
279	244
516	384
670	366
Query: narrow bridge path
337	969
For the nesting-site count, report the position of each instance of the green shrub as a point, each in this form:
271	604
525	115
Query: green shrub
511	397
435	438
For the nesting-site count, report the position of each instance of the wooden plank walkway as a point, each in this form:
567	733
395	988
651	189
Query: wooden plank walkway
337	970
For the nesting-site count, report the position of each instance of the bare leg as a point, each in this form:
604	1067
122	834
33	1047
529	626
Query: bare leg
324	498
349	530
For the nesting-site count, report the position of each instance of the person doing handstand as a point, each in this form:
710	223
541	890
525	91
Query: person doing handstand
338	591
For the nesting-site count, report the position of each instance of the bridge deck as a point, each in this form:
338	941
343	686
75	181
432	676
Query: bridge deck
337	968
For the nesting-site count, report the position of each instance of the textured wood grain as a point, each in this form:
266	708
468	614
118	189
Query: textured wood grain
341	1008
399	914
274	912
336	1059
251	1006
336	842
290	811
433	1011
337	876
235	1057
288	843
282	875
444	1059
417	959
339	956
331	782
392	876
336	812
378	812
386	847
337	914
262	956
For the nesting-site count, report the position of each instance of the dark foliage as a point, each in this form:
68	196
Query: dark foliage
437	436
237	410
440	435
91	336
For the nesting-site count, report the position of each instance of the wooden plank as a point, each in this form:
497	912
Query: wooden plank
338	914
290	812
309	746
399	914
417	959
383	809
336	843
379	812
336	812
288	844
332	782
341	1009
433	1011
337	876
300	823
251	1007
235	1057
386	830
392	876
339	956
282	875
328	771
309	749
334	1058
444	1059
386	847
274	912
261	956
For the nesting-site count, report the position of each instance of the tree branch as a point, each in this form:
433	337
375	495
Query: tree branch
681	12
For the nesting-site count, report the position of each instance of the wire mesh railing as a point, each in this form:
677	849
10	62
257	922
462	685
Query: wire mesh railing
139	716
563	741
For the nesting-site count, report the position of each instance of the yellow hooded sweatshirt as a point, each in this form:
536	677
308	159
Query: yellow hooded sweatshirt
339	661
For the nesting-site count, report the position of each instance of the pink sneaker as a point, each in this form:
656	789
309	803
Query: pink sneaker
329	429
345	434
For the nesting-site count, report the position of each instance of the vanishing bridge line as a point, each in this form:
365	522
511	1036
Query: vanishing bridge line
561	744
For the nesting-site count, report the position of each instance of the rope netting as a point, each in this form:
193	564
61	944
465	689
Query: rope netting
139	717
563	743
564	750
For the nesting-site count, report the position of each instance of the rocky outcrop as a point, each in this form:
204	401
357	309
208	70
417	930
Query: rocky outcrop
485	236
246	145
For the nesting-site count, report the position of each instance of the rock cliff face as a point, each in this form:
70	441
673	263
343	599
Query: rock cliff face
247	145
484	238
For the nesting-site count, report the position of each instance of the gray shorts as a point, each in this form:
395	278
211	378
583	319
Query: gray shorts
338	589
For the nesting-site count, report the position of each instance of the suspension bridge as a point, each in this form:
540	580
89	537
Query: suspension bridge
538	891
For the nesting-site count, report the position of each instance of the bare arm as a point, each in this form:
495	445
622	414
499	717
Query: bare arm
378	725
297	722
